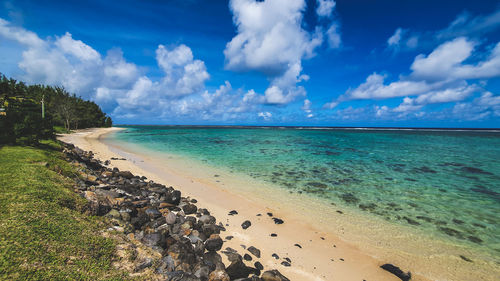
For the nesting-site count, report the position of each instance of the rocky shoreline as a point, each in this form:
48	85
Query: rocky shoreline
182	241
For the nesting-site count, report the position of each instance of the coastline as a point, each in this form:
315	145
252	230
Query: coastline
311	262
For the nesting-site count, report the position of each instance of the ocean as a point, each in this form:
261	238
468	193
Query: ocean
444	182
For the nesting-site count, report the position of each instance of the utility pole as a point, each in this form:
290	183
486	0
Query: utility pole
43	106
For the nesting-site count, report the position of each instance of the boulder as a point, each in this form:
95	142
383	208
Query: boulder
237	269
125	174
273	275
214	243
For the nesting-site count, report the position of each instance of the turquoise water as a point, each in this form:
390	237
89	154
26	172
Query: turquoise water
445	182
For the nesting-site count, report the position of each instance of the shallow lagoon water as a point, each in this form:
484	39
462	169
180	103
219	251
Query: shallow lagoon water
443	182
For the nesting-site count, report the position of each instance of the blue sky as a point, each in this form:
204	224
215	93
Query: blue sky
272	62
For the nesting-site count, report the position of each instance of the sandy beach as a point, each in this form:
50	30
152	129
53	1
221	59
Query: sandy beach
320	255
319	249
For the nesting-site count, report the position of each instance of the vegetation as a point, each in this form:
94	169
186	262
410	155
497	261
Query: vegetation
43	234
30	113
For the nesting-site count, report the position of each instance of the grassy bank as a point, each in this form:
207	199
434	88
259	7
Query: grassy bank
43	234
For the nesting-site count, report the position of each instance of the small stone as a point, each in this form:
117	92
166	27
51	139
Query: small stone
189	209
274	235
207	219
275	256
246	224
278	221
270	214
233	212
298	245
171	217
218	275
247	257
254	251
285	263
465	258
153	213
258	265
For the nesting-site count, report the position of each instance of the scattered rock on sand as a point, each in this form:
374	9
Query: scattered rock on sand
184	238
278	221
246	224
254	251
233	212
285	263
397	271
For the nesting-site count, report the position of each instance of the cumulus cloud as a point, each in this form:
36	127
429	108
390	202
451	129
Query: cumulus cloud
70	63
439	77
446	62
271	39
448	74
183	74
118	85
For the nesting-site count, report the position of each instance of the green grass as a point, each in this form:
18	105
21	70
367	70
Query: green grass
43	235
61	130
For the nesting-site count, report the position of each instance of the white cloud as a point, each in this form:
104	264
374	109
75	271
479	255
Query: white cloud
325	7
466	25
330	105
110	80
446	62
19	34
439	77
402	39
265	115
183	74
77	48
333	36
484	106
270	36
307	106
270	39
395	38
374	88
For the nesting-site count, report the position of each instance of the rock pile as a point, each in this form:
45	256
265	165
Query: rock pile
185	237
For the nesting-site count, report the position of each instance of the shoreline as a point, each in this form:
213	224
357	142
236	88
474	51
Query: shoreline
311	262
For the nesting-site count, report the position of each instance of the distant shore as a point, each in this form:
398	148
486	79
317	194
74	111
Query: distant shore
316	252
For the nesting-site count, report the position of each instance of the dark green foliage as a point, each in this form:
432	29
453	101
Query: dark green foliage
21	112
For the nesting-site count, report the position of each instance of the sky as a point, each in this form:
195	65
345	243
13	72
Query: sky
273	62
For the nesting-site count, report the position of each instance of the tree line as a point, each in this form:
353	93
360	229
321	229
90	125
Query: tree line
29	113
